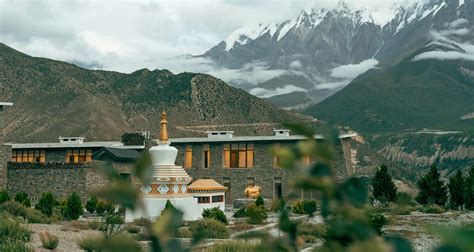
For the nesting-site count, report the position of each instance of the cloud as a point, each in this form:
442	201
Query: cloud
128	35
351	71
456	23
444	55
266	93
332	85
296	64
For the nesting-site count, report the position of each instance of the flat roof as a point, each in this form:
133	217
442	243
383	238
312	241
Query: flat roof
6	103
115	144
249	138
119	145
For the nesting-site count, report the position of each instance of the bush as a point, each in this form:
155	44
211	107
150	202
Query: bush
304	207
46	204
112	225
91	205
133	229
240	213
431	189
404	199
22	198
100	207
74	207
109	208
141	222
4	197
259	201
183	232
236	246
94	224
209	228
311	229
113	243
277	205
16	247
29	214
432	209
215	213
377	221
256	214
79	225
49	241
11	231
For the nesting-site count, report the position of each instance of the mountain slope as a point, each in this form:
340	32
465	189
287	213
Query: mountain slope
53	98
412	95
314	44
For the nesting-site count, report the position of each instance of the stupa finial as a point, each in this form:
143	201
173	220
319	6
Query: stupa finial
164	129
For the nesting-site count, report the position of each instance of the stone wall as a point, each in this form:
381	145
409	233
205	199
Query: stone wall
263	172
4	154
58	177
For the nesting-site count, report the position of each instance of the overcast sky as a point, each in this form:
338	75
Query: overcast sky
128	35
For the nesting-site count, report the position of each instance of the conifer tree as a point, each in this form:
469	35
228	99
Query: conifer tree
383	186
469	190
431	189
456	190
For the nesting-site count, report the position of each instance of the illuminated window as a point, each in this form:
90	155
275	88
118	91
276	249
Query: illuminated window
276	161
188	157
206	156
78	156
29	156
238	155
218	198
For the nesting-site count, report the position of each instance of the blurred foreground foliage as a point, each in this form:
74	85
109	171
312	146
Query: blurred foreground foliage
348	225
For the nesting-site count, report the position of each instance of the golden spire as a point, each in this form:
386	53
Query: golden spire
164	129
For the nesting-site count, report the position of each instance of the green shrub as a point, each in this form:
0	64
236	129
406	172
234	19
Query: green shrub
209	228
4	197
377	221
11	230
133	229
141	222
89	244
100	207
183	232
236	246
29	214
94	224
240	213
277	205
304	207
404	199
74	207
16	247
22	198
259	201
112	225
215	213
169	205
109	208
49	241
256	214
312	229
91	204
46	204
432	209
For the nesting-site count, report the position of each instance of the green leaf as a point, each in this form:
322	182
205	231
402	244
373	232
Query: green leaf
143	169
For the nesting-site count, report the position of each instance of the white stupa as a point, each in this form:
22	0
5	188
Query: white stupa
169	183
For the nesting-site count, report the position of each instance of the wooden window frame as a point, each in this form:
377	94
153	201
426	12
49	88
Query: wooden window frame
238	156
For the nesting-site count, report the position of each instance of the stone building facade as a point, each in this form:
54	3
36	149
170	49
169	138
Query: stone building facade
274	181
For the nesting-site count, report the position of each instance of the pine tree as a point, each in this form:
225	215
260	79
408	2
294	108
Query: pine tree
383	187
74	207
431	189
456	190
46	203
469	190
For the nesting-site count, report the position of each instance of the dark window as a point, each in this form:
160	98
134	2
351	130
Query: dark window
207	156
277	190
219	198
203	200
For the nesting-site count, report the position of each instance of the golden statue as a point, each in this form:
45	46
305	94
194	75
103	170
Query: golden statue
252	191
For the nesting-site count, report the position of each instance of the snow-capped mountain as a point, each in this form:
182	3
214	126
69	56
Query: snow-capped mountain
308	58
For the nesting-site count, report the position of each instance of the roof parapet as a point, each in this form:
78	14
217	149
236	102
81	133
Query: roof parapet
220	134
282	132
71	140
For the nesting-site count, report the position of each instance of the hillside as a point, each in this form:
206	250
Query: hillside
53	98
412	95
